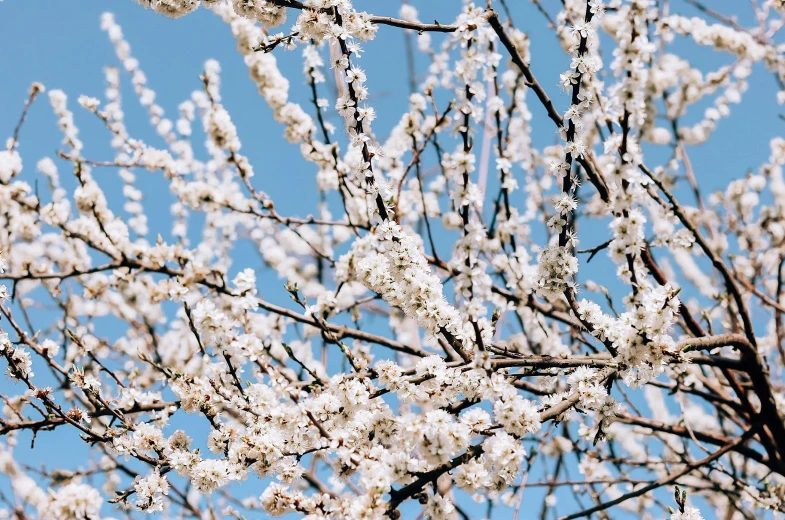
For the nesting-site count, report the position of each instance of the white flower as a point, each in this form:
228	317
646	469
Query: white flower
149	490
10	165
690	513
74	501
556	270
219	126
90	103
519	416
438	508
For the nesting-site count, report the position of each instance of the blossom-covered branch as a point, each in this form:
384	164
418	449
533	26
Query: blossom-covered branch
428	340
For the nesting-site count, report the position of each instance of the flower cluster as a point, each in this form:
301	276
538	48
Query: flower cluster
555	272
689	513
640	336
391	263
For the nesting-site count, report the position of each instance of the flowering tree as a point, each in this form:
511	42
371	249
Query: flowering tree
488	384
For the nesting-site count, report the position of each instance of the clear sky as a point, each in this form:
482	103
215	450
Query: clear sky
59	43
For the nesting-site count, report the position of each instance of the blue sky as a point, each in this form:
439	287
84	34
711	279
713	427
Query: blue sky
59	43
